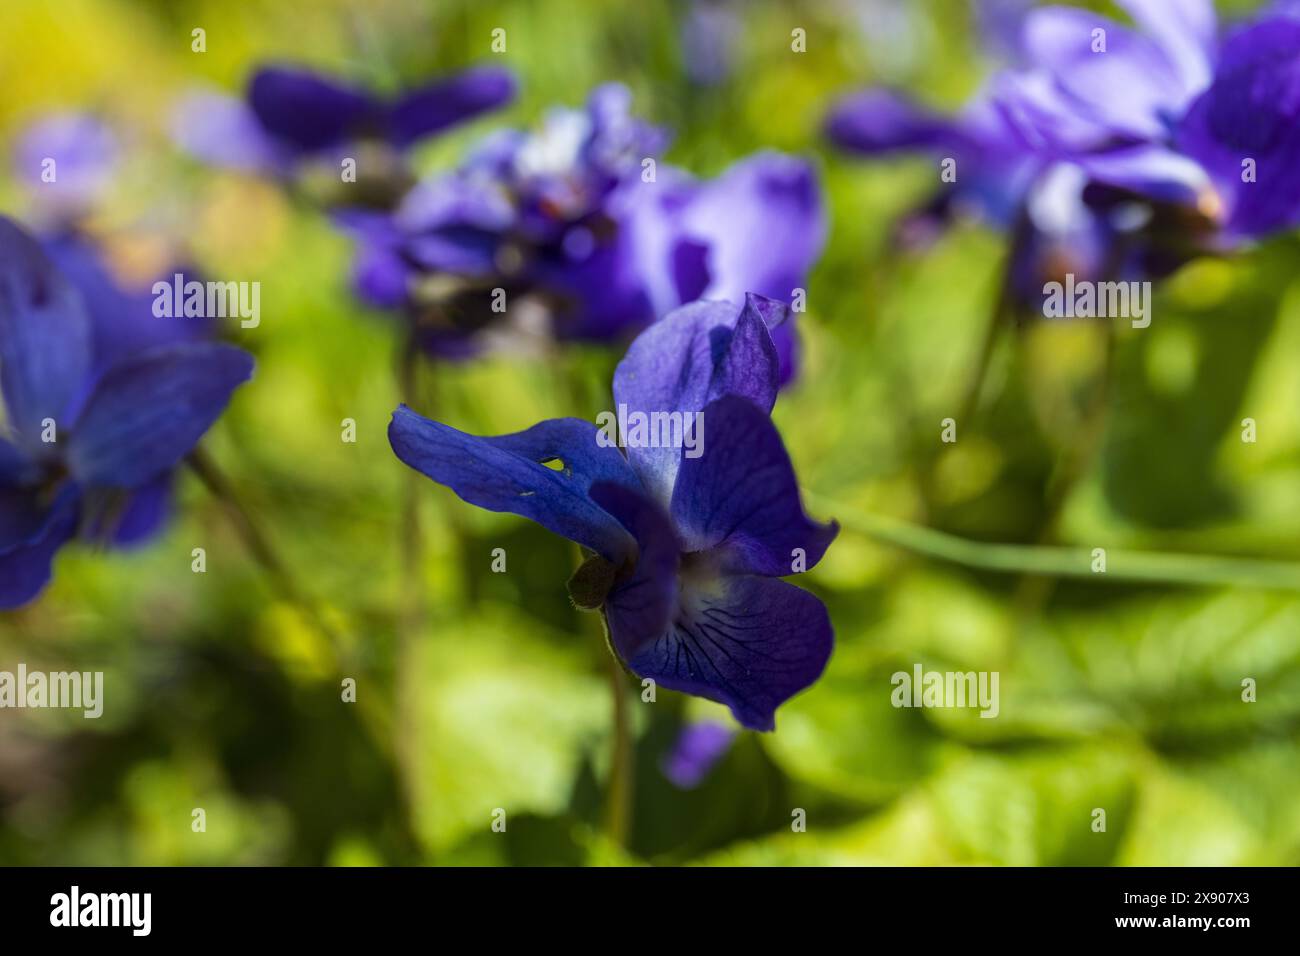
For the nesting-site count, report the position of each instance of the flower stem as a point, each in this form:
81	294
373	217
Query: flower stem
411	612
998	319
618	807
1055	561
259	546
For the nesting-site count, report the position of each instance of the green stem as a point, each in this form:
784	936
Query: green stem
411	612
1148	566
259	546
618	807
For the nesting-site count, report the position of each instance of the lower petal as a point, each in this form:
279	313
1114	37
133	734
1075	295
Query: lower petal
26	569
745	641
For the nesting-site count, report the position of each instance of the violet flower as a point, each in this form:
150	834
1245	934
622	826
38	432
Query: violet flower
290	114
582	217
90	434
1127	160
686	549
83	152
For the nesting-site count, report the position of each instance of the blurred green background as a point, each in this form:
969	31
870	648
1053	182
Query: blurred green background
221	696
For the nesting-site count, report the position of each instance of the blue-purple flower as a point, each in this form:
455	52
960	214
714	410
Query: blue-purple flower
687	547
698	748
95	415
582	218
1114	149
290	114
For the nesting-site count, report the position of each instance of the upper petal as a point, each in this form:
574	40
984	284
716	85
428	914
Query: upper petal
1185	31
763	222
684	360
740	498
45	338
748	642
307	110
446	102
1130	87
506	473
150	410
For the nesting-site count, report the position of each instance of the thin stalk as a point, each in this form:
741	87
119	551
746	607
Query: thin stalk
373	719
994	324
1058	561
259	546
412	611
618	806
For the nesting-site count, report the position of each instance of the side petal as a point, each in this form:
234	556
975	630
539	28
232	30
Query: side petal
224	131
682	361
764	224
149	411
1185	31
507	473
45	338
437	106
878	121
748	642
25	569
741	499
308	111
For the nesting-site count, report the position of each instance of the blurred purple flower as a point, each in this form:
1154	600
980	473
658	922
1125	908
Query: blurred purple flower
1125	150
582	215
292	113
67	159
697	750
687	547
90	441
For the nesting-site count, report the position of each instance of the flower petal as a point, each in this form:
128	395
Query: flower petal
878	121
639	608
1131	87
149	411
45	337
25	568
764	224
432	108
692	355
308	111
224	131
698	749
745	641
741	497
1185	31
121	318
506	473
